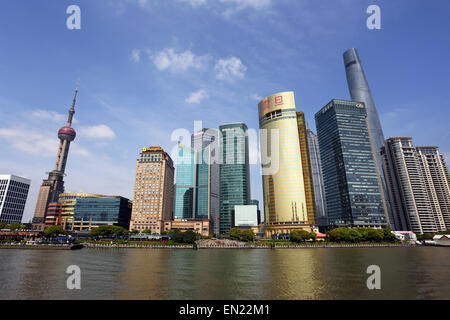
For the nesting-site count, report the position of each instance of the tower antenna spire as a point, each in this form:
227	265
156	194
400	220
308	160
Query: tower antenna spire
72	109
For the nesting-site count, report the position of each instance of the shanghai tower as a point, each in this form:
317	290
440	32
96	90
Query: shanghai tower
53	186
360	92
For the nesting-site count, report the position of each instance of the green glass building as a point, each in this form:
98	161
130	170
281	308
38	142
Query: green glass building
234	172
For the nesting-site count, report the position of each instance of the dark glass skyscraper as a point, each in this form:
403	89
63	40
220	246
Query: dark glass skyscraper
317	177
352	184
360	92
234	172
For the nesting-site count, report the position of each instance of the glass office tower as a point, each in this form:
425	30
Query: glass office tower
185	183
234	172
317	176
360	92
352	184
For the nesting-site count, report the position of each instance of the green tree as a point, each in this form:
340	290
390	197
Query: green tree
313	236
388	236
54	231
425	236
3	225
247	235
189	237
15	226
107	231
235	234
374	235
177	235
300	235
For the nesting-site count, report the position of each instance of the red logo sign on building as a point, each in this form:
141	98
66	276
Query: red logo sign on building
279	101
266	105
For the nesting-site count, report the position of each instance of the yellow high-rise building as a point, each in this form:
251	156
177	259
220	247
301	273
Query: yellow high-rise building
306	167
285	200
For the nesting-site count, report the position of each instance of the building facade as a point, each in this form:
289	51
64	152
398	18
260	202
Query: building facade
185	183
437	182
306	167
200	226
234	172
53	186
94	212
13	197
360	92
410	205
317	177
153	190
67	200
285	203
197	183
352	185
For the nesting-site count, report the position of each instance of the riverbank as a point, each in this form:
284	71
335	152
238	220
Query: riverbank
242	247
42	246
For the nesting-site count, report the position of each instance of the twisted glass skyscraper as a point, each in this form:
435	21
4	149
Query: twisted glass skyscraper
360	92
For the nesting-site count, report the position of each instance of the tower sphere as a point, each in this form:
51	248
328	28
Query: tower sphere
67	133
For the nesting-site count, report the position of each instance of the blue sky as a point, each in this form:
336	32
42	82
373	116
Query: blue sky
150	67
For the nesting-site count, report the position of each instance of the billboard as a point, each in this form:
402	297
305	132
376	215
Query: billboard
246	216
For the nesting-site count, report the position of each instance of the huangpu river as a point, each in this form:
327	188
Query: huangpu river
220	274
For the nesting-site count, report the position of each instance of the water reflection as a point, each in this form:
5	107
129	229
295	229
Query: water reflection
407	273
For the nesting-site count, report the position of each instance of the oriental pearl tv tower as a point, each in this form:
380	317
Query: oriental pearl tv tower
53	186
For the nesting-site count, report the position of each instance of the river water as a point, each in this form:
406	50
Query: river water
287	274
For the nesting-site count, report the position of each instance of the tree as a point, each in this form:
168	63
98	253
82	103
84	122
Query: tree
235	234
388	235
15	226
3	225
53	231
107	230
189	237
247	235
300	235
177	235
425	236
147	231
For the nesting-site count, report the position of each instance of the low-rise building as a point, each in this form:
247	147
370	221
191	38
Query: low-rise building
94	212
200	226
442	240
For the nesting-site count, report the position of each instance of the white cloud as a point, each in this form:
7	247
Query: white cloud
228	69
196	97
135	55
97	132
177	62
253	4
37	142
194	3
244	4
256	97
142	3
50	115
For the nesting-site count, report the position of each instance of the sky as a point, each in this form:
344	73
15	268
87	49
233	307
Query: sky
150	67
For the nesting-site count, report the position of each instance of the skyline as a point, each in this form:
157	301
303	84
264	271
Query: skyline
119	92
